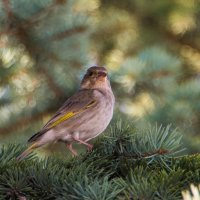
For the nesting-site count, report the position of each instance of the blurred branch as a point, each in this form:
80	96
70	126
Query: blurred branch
51	83
7	7
69	32
11	30
151	23
37	53
2	44
180	40
39	15
26	121
148	154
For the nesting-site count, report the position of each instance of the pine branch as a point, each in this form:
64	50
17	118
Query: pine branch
151	143
149	154
96	175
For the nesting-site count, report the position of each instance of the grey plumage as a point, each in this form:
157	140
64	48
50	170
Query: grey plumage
82	117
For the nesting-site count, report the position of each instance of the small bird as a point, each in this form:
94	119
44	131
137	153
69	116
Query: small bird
82	117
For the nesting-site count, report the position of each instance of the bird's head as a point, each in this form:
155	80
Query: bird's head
95	78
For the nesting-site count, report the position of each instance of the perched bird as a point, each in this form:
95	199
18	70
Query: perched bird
82	117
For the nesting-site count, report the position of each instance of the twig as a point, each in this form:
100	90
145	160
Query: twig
147	154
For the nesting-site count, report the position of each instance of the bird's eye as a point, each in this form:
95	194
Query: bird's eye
90	73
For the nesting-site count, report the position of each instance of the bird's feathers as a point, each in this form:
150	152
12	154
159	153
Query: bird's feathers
27	151
73	106
36	136
70	114
76	104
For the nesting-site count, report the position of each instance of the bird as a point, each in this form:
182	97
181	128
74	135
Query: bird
82	117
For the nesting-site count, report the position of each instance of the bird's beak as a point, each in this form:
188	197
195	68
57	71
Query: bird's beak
101	76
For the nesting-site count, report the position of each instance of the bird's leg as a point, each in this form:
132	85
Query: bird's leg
73	151
89	146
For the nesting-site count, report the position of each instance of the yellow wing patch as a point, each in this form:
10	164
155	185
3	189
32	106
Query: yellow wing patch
69	115
61	119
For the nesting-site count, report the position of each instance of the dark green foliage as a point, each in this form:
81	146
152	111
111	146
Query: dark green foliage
126	163
151	52
143	183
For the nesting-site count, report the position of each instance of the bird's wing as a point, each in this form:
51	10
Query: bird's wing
78	103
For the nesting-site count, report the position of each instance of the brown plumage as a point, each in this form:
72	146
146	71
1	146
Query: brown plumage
82	117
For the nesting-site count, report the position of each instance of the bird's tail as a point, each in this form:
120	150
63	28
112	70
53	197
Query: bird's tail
27	151
34	141
36	136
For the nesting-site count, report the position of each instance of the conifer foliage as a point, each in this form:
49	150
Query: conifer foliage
126	163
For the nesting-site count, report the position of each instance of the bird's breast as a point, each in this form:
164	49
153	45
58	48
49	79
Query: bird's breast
90	123
97	120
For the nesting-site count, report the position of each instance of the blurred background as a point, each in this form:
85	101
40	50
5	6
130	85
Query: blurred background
152	52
